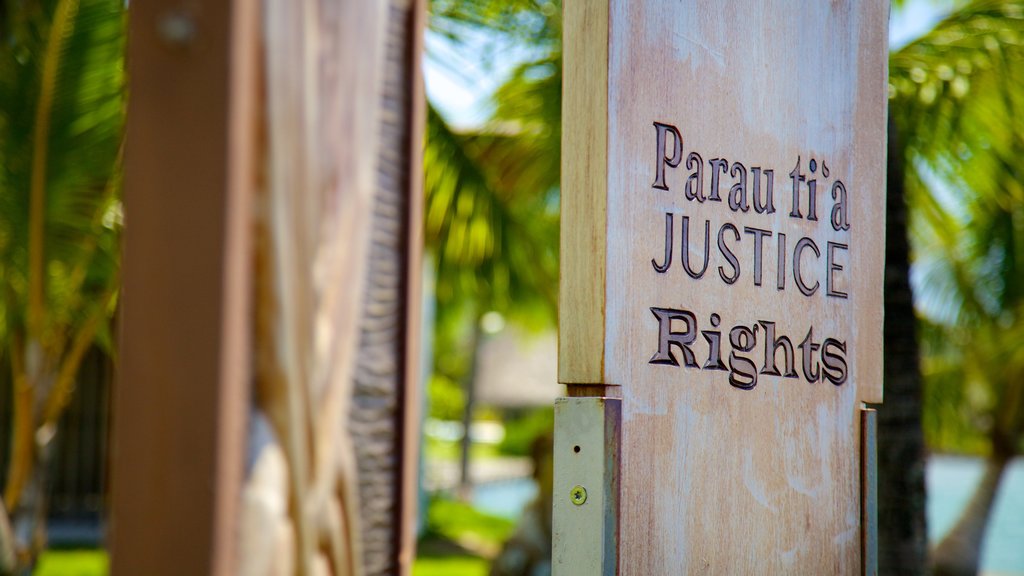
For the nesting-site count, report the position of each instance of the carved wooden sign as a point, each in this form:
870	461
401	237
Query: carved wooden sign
722	246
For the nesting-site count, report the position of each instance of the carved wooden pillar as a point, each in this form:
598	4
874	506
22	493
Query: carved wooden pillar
384	418
271	287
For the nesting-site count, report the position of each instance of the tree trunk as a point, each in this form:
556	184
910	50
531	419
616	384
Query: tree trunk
959	552
902	538
6	543
469	386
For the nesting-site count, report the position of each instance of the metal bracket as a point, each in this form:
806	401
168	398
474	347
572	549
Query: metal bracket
586	486
869	490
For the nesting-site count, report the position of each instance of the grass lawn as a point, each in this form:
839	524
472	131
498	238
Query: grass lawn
458	542
73	563
450	566
94	563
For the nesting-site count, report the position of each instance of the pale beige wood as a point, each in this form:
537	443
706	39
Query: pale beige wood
869	153
717	479
323	87
584	166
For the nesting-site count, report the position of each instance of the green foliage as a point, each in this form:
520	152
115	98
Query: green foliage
491	215
534	23
956	98
454	536
521	433
457	521
492	228
447	398
62	108
66	141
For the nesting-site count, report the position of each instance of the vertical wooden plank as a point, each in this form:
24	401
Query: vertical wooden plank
581	301
181	397
412	381
869	152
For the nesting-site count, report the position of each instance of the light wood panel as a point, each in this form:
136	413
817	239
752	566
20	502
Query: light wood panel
323	64
727	467
581	301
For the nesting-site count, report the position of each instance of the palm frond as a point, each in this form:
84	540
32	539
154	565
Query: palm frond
956	98
69	151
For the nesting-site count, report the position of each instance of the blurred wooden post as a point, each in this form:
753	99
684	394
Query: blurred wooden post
183	388
249	207
722	246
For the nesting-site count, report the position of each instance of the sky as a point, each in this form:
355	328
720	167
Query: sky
459	79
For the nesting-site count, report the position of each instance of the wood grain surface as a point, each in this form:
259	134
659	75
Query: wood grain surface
182	390
581	312
746	346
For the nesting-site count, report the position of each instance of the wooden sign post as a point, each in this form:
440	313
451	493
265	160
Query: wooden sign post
722	245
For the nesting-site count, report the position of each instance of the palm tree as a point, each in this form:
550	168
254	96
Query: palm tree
902	537
61	118
956	102
492	193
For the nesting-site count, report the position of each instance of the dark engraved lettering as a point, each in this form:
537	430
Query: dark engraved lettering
667	338
797	178
714	338
717	165
840	211
738	192
807	357
686	248
812	194
833	366
818	361
759	235
771	349
695	182
833	266
735	350
742	371
728	254
677	152
668	247
780	280
797	275
768	207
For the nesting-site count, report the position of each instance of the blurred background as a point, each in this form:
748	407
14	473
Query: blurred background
951	490
952	426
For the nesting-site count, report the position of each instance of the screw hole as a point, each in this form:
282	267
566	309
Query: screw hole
576	449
